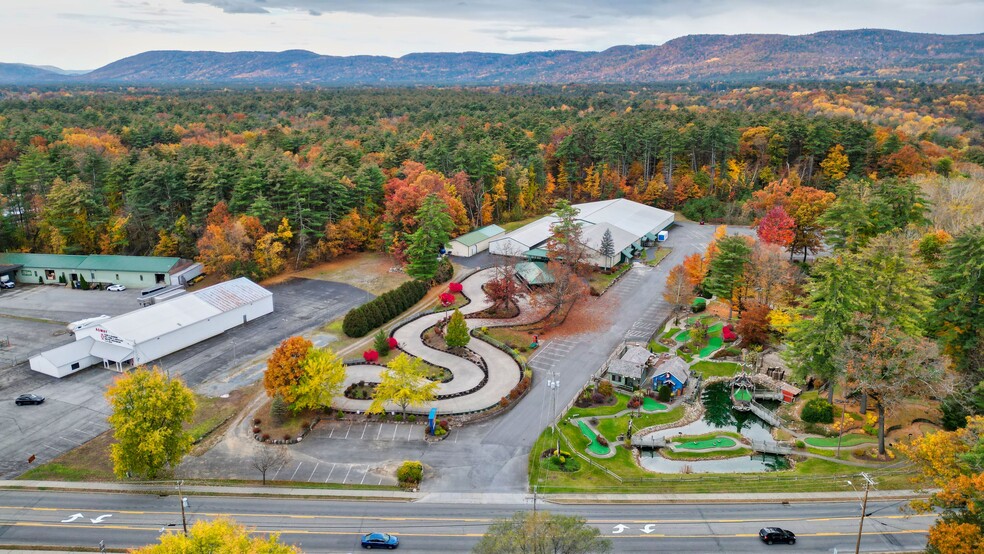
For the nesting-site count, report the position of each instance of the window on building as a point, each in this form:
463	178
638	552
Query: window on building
49	274
75	366
141	277
92	275
117	276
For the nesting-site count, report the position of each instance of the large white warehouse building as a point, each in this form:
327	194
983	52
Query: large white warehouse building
148	334
630	224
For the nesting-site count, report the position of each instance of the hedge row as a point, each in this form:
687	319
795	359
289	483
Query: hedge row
362	319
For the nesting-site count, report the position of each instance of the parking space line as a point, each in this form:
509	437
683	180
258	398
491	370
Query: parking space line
378	431
50	447
274	478
347	430
395	429
332	431
364	431
299	464
364	474
69	441
330	472
410	434
313	470
347	474
380	481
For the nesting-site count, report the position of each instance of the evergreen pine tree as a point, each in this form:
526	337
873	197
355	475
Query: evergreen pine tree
607	247
457	334
434	230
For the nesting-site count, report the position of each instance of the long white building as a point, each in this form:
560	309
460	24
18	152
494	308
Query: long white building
142	336
630	223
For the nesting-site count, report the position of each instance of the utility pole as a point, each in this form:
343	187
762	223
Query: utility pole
554	383
183	500
868	483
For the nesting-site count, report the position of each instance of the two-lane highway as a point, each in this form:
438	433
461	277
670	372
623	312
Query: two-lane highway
61	519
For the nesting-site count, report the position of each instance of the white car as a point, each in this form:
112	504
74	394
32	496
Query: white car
116	288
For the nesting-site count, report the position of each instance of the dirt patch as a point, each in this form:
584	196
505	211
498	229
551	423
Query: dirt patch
291	426
369	271
589	315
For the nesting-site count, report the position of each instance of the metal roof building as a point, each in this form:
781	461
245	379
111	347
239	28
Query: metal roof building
132	271
477	241
142	336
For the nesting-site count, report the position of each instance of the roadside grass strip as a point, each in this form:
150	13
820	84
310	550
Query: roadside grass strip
851	439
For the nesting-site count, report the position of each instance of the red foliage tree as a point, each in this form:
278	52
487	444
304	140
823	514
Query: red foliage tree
370	356
454	287
393	343
446	299
777	227
501	290
753	324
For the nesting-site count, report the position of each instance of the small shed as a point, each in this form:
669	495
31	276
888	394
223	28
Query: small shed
474	242
673	371
638	355
625	374
534	273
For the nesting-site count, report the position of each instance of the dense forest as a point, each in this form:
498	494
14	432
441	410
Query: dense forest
252	181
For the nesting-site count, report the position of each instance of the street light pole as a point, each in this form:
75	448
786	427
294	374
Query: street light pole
864	506
181	498
554	383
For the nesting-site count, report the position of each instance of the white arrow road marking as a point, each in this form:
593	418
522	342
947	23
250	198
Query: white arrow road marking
72	518
619	529
100	518
649	528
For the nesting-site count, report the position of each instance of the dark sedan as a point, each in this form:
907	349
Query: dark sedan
26	399
380	540
771	535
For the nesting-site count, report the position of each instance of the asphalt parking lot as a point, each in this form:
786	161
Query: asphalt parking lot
34	318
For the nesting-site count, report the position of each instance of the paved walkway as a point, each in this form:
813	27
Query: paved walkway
503	371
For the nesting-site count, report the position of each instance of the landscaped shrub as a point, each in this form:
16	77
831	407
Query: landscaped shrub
362	319
605	387
664	392
445	271
598	398
410	474
392	342
370	356
504	401
728	334
699	305
634	402
446	299
602	440
278	409
381	343
454	288
818	410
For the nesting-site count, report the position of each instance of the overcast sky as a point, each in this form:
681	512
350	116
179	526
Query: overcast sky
86	34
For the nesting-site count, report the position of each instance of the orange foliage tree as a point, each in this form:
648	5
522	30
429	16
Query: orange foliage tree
953	461
695	267
403	197
284	369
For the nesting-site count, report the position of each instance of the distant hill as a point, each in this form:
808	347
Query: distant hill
829	55
23	74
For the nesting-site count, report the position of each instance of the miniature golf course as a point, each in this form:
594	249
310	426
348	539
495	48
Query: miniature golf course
716	442
595	447
650	405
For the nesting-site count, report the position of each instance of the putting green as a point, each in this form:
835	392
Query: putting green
743	394
715	328
650	405
595	447
713	344
682	337
707	444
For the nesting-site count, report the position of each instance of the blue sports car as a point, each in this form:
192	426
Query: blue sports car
380	540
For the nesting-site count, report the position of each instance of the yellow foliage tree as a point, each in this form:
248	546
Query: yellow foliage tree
149	412
322	377
284	368
836	164
218	535
404	383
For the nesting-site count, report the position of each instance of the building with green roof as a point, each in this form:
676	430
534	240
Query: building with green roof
475	242
132	271
534	273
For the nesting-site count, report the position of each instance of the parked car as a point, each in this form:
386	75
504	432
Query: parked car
116	288
25	399
771	535
380	540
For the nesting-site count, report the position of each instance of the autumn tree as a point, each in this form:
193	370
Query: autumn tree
695	268
953	461
502	289
727	269
321	379
404	382
285	368
753	323
405	196
431	235
777	228
566	244
457	334
679	292
560	295
541	532
267	457
771	277
148	417
836	164
886	364
804	204
218	535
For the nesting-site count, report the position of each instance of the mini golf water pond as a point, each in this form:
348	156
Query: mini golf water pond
719	416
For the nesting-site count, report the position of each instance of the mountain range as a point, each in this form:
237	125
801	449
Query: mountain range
863	54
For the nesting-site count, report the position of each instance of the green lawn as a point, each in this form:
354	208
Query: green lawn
683	337
595	446
658	256
740	452
615	426
600	281
622	401
850	439
513	225
716	369
671	332
658	348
